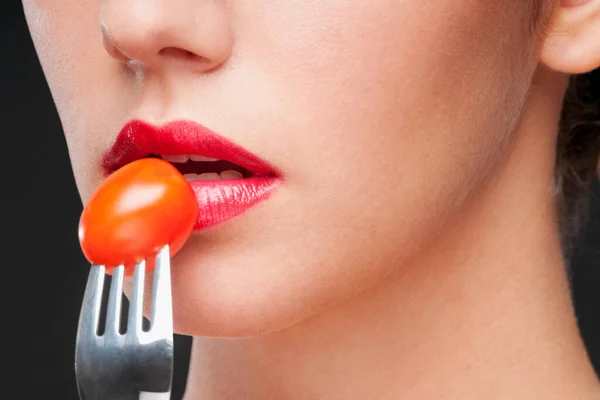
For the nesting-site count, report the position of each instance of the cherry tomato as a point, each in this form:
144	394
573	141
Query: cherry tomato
137	210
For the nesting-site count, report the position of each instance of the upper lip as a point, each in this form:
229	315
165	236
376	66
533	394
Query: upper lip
139	139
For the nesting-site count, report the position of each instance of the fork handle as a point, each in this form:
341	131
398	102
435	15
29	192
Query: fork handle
155	396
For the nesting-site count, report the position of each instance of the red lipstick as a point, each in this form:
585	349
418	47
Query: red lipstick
219	199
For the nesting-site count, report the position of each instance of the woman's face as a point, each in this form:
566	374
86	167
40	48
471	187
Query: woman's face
382	117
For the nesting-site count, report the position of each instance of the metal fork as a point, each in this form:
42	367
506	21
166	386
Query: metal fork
115	366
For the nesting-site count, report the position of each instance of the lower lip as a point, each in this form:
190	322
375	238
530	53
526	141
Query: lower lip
221	200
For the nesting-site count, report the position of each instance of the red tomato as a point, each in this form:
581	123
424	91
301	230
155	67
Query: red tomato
137	210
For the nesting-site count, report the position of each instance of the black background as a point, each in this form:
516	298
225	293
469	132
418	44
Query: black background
40	212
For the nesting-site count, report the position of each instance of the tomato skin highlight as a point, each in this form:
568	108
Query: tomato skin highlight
134	212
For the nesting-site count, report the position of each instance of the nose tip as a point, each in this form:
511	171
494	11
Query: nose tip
161	34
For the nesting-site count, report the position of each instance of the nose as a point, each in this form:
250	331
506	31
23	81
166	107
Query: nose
160	34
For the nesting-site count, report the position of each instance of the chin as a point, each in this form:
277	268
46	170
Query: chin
232	316
213	300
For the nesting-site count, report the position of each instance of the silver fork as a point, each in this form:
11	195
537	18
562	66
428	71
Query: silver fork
136	364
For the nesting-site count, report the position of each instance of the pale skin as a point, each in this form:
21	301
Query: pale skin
413	251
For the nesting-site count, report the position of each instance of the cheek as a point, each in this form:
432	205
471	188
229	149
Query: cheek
385	100
65	36
86	85
396	112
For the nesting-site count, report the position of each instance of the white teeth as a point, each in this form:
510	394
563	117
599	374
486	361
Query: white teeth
180	158
231	174
209	176
194	157
190	177
213	176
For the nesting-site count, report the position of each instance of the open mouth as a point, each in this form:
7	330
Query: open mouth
193	149
226	178
194	167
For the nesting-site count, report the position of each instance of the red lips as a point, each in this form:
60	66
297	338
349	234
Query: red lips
218	199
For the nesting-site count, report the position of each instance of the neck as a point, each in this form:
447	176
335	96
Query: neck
484	312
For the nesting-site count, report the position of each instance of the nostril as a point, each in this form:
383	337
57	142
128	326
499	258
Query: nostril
180	54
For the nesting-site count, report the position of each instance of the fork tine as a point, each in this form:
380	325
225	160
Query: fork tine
162	312
136	305
92	300
113	312
118	366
